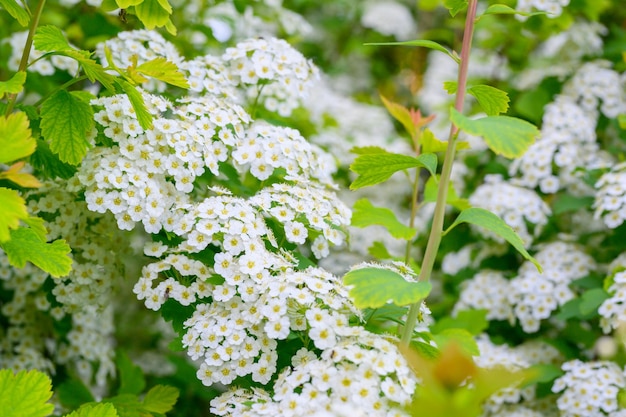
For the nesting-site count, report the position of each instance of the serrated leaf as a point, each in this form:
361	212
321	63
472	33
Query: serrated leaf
450	86
22	179
424	44
504	9
492	100
592	300
50	38
95	410
48	164
365	214
506	136
125	4
160	399
132	380
36	224
16	141
401	114
12	210
13	85
25	394
136	100
376	168
152	14
93	70
460	337
164	70
16	11
65	122
25	245
375	287
127	405
488	220
455	6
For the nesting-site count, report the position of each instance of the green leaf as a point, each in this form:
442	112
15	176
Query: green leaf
25	245
95	410
365	214
160	399
125	4
401	114
455	6
424	44
48	164
621	119
506	136
474	321
492	100
450	86
93	70
461	337
132	380
375	287
488	220
12	210
13	85
592	300
164	70
542	373
127	405
504	9
65	122
25	394
16	11
136	100
16	141
73	393
379	251
565	203
50	38
376	168
36	224
430	144
432	188
152	13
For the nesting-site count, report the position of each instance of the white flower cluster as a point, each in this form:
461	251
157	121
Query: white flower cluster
613	310
517	206
610	198
567	141
389	18
487	290
596	84
364	374
534	295
554	8
45	66
589	389
208	74
274	74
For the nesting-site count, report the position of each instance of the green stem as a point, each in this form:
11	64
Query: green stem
62	87
434	239
26	53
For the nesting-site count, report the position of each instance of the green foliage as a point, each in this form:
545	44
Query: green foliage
424	44
25	394
375	287
26	245
163	70
160	399
473	321
13	85
73	393
136	100
492	100
488	220
49	39
401	114
365	214
504	9
455	6
431	189
16	11
66	120
95	410
377	165
506	136
461	337
16	141
13	209
566	203
132	380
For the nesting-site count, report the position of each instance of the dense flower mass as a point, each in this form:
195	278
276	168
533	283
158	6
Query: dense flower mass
610	198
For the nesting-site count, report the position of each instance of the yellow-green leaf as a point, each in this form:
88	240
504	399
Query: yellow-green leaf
492	100
506	136
50	38
125	4
16	11
365	214
152	14
424	44
504	9
455	6
25	394
136	100
430	144
401	114
65	122
16	141
432	188
490	221
25	245
95	410
160	399
12	210
375	287
164	70
22	179
13	85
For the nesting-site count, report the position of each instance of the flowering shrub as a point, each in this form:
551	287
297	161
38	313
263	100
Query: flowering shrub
227	208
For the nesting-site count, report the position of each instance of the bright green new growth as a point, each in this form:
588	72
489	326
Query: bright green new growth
13	85
377	165
492	100
365	214
95	410
375	287
16	141
506	136
16	11
26	245
25	394
12	210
